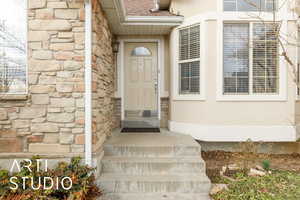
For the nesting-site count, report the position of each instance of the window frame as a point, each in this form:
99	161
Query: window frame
251	76
21	95
177	95
282	82
237	11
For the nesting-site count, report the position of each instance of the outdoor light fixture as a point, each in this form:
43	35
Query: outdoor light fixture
115	46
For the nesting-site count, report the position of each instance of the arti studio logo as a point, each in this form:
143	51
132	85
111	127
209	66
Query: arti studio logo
38	182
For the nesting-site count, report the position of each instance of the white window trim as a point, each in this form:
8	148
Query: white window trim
26	63
189	97
221	8
245	17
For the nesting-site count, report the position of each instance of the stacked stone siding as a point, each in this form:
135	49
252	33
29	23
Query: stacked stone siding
164	106
103	79
51	118
117	113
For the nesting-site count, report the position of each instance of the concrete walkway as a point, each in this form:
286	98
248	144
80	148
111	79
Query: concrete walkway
153	166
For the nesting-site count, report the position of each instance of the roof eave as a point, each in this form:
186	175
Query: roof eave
159	20
151	20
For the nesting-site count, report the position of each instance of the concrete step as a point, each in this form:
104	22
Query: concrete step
144	151
153	166
119	183
151	145
158	196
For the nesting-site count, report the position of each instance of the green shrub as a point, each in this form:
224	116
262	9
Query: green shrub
82	177
266	165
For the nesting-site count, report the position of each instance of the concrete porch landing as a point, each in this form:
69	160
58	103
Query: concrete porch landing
153	166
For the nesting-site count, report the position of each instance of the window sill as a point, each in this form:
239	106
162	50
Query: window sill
251	98
13	97
188	98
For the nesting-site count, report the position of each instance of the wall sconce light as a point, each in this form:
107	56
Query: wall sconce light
115	47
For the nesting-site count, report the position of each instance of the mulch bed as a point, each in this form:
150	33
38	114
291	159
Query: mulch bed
215	160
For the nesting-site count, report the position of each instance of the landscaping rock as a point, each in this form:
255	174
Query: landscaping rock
260	168
233	167
216	188
254	172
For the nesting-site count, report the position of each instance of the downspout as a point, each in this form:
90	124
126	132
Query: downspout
156	8
88	82
161	5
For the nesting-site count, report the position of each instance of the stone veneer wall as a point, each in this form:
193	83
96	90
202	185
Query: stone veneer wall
117	113
51	119
103	79
164	106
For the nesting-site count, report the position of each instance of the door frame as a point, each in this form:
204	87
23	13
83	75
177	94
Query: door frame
160	71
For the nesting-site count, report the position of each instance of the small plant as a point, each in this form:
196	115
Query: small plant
266	165
249	150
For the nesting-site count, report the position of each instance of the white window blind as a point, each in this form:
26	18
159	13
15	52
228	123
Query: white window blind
250	5
13	57
265	58
236	58
189	60
258	75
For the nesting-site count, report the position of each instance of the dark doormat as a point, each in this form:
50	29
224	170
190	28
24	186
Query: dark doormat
140	130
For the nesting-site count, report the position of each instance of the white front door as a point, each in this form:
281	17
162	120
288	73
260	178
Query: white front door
141	78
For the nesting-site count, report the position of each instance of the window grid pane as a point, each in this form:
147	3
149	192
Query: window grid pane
236	58
189	55
265	58
250	5
189	78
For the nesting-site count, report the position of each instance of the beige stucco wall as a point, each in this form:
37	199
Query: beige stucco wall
211	112
190	8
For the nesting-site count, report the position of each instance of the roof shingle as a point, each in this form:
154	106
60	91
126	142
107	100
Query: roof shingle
142	8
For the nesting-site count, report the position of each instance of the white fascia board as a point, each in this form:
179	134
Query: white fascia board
156	19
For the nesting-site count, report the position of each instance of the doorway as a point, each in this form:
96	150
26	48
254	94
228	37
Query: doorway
141	88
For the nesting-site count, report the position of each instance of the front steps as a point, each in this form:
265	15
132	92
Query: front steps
153	167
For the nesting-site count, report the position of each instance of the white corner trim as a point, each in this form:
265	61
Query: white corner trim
236	133
175	72
88	83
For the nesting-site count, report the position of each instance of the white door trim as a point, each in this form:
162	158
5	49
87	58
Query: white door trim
160	70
